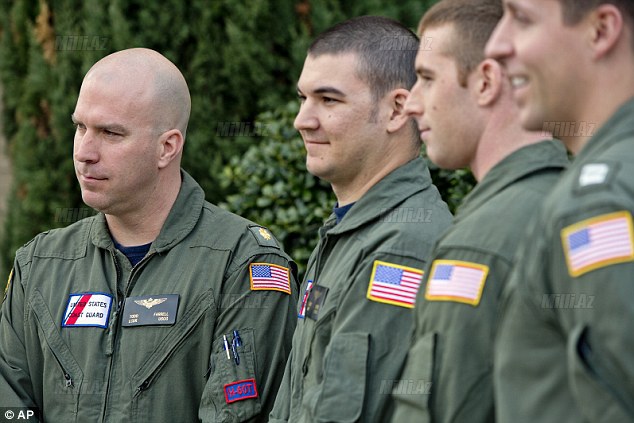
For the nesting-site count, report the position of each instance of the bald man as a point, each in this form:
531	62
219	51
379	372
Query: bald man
162	307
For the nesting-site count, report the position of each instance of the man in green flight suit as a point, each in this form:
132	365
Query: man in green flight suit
362	278
163	307
464	108
565	351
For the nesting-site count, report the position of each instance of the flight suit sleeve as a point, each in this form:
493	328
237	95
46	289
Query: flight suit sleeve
451	352
529	377
252	339
593	268
366	335
16	389
561	354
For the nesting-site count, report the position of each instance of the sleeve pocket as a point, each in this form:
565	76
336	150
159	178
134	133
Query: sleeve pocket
344	382
419	367
598	398
232	393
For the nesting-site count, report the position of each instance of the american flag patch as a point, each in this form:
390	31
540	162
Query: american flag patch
394	284
269	277
458	281
598	242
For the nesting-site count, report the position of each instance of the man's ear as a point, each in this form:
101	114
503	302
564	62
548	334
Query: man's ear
605	24
487	82
170	147
398	117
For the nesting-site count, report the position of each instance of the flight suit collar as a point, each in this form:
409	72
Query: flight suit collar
388	193
515	166
618	128
179	223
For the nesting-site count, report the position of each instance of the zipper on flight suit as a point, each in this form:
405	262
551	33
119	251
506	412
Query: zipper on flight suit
111	338
115	324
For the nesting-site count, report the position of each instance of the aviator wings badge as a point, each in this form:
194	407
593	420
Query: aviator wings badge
150	302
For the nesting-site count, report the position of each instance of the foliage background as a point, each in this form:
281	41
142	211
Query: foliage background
241	60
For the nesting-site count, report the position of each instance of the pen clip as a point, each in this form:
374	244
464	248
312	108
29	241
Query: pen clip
237	339
235	343
226	345
236	357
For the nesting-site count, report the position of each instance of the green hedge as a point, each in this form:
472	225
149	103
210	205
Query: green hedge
240	58
273	188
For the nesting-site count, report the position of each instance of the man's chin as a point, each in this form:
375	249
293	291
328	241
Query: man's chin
94	203
315	169
532	119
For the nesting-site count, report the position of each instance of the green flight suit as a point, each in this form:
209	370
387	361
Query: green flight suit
565	350
449	370
346	356
152	372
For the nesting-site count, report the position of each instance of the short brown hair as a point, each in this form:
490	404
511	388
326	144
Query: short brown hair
575	10
386	51
473	22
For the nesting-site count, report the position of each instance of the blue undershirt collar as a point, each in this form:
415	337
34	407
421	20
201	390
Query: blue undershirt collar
340	212
135	254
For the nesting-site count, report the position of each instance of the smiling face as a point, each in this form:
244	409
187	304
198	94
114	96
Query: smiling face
339	120
116	151
545	60
445	112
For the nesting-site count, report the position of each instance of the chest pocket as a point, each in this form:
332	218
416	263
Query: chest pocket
339	396
316	338
335	367
161	374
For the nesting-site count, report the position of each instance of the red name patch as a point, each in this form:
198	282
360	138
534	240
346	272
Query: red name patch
240	390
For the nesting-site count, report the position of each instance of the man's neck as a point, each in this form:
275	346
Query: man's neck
348	192
592	119
501	137
612	86
132	232
143	226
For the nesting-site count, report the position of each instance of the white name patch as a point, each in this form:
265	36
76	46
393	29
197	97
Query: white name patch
89	309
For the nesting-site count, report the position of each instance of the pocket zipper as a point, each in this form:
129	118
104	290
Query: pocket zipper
68	380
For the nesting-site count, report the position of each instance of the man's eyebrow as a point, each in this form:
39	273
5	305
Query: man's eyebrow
113	127
510	5
423	70
324	90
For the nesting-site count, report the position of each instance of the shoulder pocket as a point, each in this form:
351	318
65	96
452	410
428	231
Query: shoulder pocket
596	394
232	393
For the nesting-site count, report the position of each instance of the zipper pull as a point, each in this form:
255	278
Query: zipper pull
69	380
142	387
